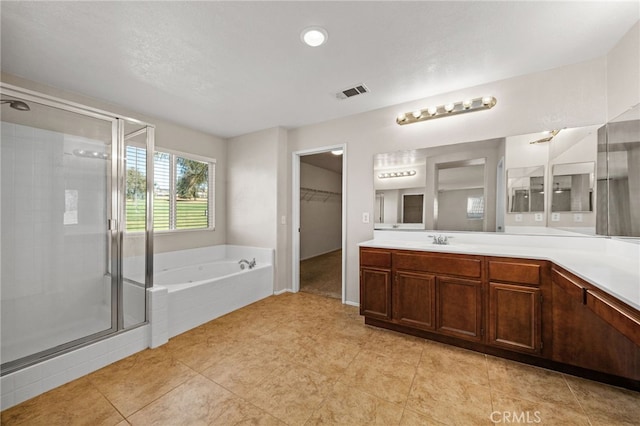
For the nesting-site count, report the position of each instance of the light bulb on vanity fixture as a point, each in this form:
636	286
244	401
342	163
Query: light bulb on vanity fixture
448	109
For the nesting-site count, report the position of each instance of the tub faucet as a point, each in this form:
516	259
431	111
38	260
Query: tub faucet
244	262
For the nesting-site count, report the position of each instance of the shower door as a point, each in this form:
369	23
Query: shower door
61	240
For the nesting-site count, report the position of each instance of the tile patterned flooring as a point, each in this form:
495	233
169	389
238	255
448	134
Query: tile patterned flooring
322	275
303	359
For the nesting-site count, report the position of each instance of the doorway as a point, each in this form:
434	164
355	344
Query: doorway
319	222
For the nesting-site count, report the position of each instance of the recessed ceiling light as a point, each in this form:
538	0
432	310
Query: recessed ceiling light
314	36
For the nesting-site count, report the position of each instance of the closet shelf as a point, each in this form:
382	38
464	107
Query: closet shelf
310	194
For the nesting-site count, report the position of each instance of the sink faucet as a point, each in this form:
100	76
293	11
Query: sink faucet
244	263
441	240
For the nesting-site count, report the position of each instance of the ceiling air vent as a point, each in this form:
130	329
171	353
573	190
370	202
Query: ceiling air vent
352	91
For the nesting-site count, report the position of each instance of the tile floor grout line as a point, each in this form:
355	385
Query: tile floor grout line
413	379
105	397
170	390
491	389
564	377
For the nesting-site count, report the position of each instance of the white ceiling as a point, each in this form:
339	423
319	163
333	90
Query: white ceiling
230	68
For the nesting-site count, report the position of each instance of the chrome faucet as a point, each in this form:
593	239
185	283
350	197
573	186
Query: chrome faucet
244	263
441	240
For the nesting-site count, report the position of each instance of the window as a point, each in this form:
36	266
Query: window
475	207
182	188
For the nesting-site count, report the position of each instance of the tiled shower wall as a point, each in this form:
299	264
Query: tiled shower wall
54	240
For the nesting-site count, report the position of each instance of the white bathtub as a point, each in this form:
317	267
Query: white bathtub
188	276
205	283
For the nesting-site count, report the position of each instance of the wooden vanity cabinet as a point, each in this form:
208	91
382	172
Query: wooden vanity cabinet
516	289
375	283
523	309
592	330
441	293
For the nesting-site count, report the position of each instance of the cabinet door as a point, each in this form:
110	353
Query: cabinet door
414	300
375	293
582	337
515	320
459	307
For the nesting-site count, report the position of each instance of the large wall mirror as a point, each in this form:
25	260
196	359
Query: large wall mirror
499	185
618	176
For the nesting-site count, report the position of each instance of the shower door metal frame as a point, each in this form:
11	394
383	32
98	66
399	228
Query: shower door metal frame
116	220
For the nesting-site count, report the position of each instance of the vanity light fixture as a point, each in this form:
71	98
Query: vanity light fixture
403	173
452	108
551	135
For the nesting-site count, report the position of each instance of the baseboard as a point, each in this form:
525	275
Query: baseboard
279	292
350	303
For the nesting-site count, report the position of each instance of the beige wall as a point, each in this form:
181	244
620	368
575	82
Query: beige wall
167	135
257	198
623	74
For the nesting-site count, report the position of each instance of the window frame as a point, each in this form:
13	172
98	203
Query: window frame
211	180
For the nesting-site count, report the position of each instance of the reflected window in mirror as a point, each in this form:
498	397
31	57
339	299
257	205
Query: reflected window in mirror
475	208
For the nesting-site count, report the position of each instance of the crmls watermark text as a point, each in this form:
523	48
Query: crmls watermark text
515	417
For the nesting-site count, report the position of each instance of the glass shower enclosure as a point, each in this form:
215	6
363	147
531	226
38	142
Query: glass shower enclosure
62	219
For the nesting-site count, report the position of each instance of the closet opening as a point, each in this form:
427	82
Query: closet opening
318	225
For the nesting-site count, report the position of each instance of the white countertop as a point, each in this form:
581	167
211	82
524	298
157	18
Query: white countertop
611	265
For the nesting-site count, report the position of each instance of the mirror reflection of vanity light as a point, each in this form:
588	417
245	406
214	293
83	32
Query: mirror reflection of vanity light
404	173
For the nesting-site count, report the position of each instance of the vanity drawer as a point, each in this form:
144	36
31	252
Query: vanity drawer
375	257
463	266
515	271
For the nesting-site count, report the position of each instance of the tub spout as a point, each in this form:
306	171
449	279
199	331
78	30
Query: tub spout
244	263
